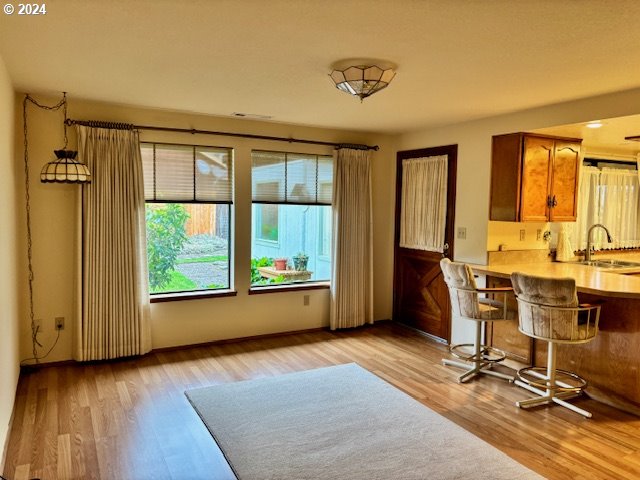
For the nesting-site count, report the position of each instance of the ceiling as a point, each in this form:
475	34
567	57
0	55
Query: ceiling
457	60
607	141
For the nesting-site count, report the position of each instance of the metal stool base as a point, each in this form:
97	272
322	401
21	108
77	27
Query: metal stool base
480	362
473	369
556	391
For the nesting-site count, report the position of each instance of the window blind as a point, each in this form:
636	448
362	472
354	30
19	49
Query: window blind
186	173
294	178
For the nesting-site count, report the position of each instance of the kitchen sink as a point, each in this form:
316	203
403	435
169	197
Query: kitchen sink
609	263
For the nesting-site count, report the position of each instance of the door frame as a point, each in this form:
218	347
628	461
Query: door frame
451	151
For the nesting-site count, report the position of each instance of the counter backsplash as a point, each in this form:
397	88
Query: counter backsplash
507	257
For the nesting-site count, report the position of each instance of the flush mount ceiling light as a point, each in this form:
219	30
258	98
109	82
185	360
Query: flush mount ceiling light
595	124
362	78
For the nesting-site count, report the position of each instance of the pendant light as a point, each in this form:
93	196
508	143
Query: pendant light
65	168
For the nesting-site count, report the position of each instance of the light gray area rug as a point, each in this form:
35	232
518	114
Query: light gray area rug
345	423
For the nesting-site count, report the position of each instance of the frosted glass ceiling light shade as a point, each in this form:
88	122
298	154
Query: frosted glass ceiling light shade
65	169
362	80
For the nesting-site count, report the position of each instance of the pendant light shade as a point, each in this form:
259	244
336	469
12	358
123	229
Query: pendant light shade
362	80
65	169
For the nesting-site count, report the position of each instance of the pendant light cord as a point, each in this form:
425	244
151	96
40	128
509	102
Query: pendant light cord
35	329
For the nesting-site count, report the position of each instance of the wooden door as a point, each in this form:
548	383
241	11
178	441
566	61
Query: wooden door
564	182
536	166
421	298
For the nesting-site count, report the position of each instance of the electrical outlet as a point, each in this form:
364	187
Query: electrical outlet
539	234
522	235
462	233
305	300
59	323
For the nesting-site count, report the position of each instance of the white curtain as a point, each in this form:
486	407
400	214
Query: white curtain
351	246
610	196
114	320
620	205
424	203
588	207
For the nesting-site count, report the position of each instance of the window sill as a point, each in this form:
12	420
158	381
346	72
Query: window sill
175	297
289	288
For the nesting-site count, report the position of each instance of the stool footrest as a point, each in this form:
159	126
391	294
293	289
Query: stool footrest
486	354
540	373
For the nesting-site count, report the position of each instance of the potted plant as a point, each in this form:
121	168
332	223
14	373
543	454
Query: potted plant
300	261
280	263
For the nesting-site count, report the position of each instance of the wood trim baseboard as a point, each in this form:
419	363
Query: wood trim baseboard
224	341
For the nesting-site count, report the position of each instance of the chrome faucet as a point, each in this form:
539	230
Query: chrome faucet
587	254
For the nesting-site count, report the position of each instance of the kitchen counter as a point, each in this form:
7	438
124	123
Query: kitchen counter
593	280
611	362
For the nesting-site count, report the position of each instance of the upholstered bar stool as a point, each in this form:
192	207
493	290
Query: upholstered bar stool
468	302
548	310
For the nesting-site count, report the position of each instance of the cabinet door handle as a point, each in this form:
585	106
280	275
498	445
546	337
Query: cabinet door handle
554	202
549	203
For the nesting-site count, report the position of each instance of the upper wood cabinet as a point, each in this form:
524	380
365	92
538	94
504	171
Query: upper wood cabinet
534	178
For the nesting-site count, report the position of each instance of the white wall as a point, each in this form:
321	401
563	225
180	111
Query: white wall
474	165
192	321
9	288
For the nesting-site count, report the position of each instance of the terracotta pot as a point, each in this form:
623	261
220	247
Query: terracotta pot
280	263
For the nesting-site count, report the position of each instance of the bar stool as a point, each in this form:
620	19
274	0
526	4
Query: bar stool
548	310
468	304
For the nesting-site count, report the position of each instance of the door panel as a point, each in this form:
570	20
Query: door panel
421	298
536	161
564	181
424	298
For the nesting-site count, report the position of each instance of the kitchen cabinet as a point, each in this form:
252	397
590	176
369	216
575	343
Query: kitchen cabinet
534	178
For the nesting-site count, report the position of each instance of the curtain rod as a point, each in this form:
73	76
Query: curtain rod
593	161
193	131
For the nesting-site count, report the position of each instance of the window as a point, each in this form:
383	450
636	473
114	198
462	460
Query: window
610	196
188	193
324	226
291	234
266	216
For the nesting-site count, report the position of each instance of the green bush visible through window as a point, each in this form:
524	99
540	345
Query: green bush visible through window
165	238
187	247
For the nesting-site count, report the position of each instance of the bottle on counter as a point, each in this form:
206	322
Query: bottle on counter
564	252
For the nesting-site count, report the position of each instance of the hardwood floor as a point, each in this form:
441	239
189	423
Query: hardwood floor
130	419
